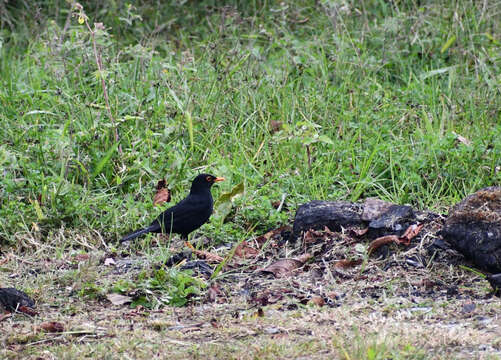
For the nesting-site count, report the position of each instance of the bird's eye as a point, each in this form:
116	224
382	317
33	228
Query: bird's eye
208	178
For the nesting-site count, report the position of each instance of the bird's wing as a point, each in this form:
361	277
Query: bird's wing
186	213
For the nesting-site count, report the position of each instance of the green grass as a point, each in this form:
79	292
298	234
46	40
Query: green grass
369	94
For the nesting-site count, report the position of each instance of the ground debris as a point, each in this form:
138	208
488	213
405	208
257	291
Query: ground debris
473	227
13	300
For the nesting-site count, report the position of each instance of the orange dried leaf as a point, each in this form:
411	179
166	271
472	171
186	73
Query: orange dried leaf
376	244
317	300
209	257
411	232
27	310
244	250
163	194
52	326
275	125
359	232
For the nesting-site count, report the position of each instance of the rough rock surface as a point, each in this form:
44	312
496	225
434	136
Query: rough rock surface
11	299
381	218
473	227
333	214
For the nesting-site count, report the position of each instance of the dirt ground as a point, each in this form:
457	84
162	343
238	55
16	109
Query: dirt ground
400	302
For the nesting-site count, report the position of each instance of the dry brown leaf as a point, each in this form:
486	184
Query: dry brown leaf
52	326
300	21
328	231
275	126
333	295
5	316
410	233
359	232
117	299
244	250
308	237
285	267
81	257
213	292
270	234
27	310
347	263
383	240
317	300
304	258
5	260
462	139
209	257
312	236
163	194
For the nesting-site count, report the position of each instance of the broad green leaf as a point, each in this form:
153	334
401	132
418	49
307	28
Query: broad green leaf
224	202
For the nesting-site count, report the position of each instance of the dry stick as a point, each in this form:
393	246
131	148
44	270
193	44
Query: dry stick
99	64
66	26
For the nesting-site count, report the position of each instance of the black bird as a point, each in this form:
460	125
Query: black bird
188	214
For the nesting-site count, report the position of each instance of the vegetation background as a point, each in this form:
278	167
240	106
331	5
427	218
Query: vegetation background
313	99
296	100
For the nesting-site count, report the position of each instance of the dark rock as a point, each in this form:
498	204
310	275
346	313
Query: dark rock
495	281
439	244
333	214
12	299
177	258
374	208
394	220
473	227
198	266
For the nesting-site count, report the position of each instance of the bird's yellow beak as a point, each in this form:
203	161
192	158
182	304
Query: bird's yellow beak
219	179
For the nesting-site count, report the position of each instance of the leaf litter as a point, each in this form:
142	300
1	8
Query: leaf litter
334	272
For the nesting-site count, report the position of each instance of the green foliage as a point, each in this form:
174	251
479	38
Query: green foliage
225	201
91	290
369	95
171	286
368	346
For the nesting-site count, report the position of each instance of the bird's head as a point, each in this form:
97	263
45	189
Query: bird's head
204	181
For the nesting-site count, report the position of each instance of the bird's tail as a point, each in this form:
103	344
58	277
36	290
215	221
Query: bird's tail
138	233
